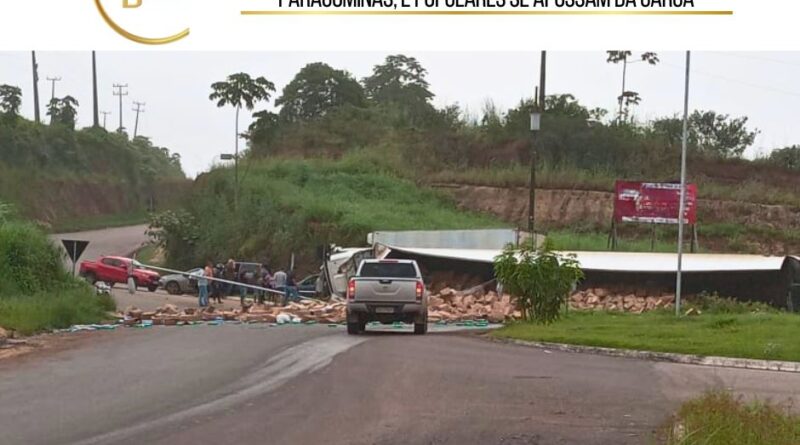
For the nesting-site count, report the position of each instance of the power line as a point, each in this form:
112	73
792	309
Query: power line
737	81
120	93
759	58
139	109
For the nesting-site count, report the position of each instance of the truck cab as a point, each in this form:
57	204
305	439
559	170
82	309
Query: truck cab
387	291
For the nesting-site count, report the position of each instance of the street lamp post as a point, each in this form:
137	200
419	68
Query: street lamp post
536	124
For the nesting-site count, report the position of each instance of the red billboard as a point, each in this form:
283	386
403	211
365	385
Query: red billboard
653	203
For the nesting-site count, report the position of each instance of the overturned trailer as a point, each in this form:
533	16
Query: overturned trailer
772	280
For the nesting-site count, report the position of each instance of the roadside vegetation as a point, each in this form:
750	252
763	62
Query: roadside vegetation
295	206
36	294
719	418
328	120
726	332
70	178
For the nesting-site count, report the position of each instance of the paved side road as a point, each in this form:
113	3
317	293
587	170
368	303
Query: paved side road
116	241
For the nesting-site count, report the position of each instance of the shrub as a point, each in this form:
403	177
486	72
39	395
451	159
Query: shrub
718	418
540	279
36	293
714	304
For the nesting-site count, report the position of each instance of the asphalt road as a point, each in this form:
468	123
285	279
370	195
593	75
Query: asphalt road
116	241
314	384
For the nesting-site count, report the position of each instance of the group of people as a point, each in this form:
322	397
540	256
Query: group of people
227	278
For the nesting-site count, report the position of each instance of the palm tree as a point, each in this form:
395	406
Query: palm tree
240	90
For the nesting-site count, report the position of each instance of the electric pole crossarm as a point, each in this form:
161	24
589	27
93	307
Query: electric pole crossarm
121	91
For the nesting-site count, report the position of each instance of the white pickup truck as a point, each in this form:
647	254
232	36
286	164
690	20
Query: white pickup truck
387	291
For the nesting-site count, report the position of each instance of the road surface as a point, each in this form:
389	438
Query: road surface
314	384
116	241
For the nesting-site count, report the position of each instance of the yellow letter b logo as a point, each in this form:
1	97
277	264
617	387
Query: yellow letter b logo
131	3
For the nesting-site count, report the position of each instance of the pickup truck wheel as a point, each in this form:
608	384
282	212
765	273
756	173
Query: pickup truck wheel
420	328
91	278
152	288
354	328
173	288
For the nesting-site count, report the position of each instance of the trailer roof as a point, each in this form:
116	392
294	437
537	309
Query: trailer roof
625	261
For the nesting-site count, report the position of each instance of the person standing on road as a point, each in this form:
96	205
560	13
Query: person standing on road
207	272
291	288
217	288
131	278
202	286
230	276
280	284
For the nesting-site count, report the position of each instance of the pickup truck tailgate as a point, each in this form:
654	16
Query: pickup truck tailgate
394	290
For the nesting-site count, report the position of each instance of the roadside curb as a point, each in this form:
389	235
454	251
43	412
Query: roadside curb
718	362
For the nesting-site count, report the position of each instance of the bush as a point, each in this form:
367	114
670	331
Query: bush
717	418
36	293
714	304
540	279
29	263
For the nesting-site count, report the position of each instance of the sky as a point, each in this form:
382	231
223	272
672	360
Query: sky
178	115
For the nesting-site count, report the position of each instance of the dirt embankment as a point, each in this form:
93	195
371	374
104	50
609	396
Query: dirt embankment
771	229
560	208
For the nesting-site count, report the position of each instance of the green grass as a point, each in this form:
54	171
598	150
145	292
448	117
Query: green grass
771	336
149	255
293	206
598	242
57	309
36	293
101	222
718	418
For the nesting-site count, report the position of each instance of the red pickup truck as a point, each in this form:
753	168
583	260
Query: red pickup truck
112	270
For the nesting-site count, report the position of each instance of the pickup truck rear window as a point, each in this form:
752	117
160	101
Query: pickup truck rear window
388	270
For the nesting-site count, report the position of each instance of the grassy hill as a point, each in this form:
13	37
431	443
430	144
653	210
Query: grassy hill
291	206
71	179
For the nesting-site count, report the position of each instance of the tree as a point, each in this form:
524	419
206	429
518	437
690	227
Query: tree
788	157
264	128
240	90
10	100
720	134
317	89
538	278
627	98
400	83
63	111
709	132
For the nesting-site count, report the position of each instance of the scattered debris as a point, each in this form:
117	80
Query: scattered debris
636	302
448	306
451	306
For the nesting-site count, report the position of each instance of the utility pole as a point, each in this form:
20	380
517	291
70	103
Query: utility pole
683	187
105	117
53	81
540	107
139	109
120	93
96	109
36	113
